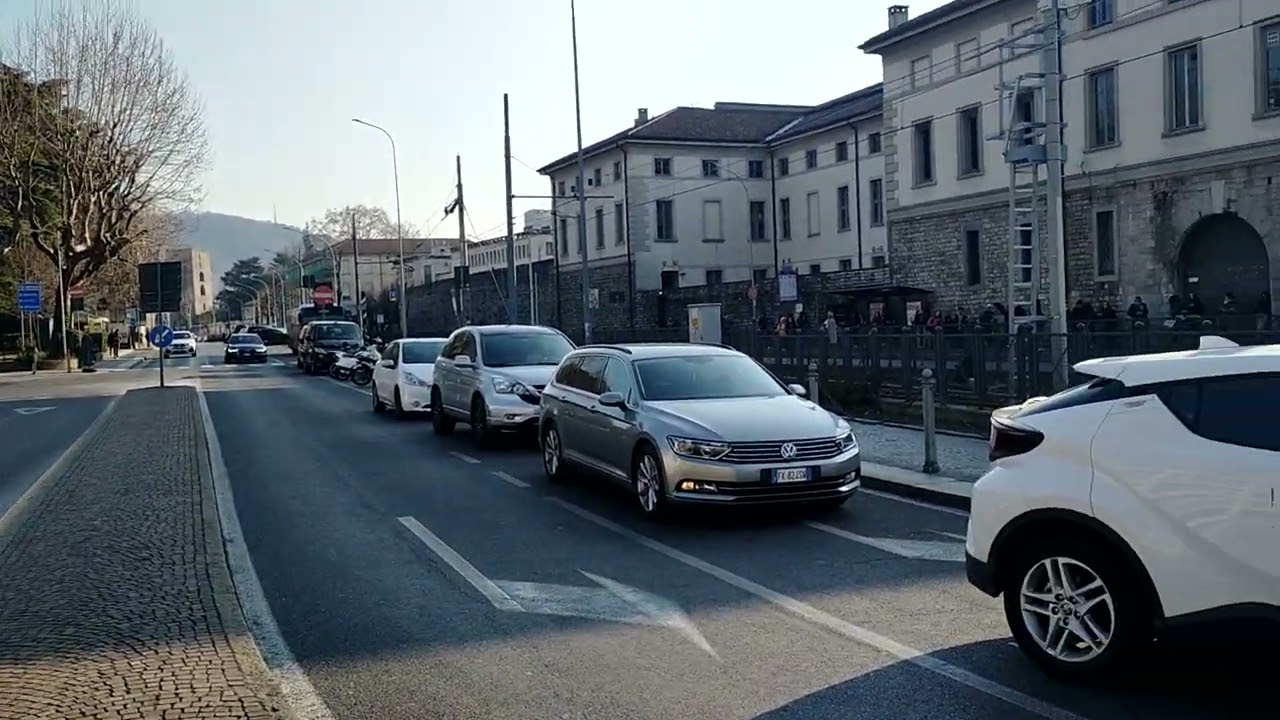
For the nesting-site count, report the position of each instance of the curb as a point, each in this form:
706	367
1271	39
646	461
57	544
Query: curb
935	489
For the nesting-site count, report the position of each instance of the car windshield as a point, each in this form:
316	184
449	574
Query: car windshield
422	352
336	331
519	349
182	336
705	377
244	340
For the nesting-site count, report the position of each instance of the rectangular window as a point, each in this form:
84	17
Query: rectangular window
784	166
710	168
922	152
712	220
596	177
810	159
564	237
842	208
617	170
1027	34
1026	111
969	141
972	257
1182	89
715	277
599	228
755	168
1026	251
920	69
1099	13
846	264
670	279
665	220
815	269
759	275
784	217
757	220
842	151
876	191
873	143
814	219
662	166
1104	242
879	261
968	55
560	190
619	224
1103	127
1269	70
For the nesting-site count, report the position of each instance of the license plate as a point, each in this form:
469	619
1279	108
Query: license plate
789	475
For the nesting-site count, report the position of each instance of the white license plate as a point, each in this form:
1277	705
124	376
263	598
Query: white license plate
788	475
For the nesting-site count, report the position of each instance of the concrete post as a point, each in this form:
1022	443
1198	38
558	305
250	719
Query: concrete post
813	381
927	386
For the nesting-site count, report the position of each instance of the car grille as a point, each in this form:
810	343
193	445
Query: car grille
771	451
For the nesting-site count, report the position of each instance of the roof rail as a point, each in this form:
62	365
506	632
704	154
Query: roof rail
1215	342
607	346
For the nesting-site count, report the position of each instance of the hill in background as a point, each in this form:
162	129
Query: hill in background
228	238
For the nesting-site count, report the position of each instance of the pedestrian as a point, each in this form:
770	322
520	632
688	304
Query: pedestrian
113	342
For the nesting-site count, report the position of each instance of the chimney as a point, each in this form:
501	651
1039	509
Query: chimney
642	116
897	15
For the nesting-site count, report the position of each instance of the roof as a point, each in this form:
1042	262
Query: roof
860	103
645	351
1215	360
937	16
389	246
498	329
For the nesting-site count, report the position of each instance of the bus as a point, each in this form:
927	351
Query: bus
308	312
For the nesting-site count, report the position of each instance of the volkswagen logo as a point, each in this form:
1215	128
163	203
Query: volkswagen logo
788	451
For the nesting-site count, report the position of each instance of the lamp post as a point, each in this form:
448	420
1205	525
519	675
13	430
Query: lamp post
267	288
395	172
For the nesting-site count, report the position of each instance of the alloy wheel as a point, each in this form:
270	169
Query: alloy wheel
1067	609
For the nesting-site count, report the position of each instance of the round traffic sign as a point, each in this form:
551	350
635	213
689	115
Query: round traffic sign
161	336
322	295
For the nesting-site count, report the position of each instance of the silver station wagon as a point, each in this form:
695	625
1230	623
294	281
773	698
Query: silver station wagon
693	424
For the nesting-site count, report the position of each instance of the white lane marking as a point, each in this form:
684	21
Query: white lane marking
298	691
953	536
484	585
32	410
911	549
832	623
509	478
341	383
917	503
464	457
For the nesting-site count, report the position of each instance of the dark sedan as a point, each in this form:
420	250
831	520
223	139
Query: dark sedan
245	348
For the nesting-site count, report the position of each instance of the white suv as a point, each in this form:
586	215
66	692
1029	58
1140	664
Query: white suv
1136	503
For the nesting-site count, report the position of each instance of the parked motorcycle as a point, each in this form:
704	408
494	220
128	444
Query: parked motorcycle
342	368
365	360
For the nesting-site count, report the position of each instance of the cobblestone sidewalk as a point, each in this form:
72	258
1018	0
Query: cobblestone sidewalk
115	599
959	457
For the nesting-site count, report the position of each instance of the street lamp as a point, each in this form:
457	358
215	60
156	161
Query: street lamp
395	172
268	289
257	305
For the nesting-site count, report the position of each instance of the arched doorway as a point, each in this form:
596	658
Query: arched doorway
1222	253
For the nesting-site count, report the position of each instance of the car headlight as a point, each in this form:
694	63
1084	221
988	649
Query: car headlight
414	380
505	386
847	441
699	449
260	349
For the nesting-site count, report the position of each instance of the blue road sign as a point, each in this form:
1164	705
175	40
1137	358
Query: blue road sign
29	297
161	336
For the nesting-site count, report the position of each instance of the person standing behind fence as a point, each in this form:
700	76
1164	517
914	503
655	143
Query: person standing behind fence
832	328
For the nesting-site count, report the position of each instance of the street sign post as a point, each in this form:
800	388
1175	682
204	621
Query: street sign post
322	294
29	297
162	337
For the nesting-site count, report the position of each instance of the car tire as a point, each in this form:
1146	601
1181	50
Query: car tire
378	406
401	414
552	447
481	433
1115	609
649	485
441	423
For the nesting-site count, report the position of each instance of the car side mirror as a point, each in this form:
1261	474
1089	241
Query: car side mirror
613	400
388	364
798	390
462	361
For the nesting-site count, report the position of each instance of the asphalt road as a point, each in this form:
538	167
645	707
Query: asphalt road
414	576
35	432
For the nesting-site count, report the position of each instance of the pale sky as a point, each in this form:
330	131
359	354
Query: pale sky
281	80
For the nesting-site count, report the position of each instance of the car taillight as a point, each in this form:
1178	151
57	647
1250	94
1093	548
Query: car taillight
1009	439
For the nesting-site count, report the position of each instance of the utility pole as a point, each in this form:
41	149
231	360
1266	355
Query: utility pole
460	208
511	230
355	272
1051	66
582	186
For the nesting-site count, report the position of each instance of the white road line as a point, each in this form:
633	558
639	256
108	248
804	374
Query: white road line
491	591
509	478
297	689
832	623
917	503
953	536
464	457
907	548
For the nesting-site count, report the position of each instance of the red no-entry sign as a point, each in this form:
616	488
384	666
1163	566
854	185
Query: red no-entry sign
322	294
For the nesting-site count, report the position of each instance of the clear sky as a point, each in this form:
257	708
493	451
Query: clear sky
281	80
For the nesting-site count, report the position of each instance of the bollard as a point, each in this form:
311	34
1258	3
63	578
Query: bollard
927	386
813	381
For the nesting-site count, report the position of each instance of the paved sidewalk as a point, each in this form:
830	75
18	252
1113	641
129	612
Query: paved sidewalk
959	457
115	598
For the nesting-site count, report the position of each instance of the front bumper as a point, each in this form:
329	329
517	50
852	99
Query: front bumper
415	398
981	575
176	350
510	412
236	358
717	483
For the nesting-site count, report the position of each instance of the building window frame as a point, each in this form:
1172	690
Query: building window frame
1097	95
923	165
968	55
971	253
1106	260
1267	39
664	221
619	224
1178	78
756	216
600	228
966	145
710	168
783	165
662	167
755	169
810	159
1099	13
875	194
813	213
842	151
713	276
875	143
784	218
712	221
843	214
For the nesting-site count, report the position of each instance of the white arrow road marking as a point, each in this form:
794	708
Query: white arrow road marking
612	601
913	549
31	410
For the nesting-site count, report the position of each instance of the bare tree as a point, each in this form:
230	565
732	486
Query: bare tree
112	135
371	222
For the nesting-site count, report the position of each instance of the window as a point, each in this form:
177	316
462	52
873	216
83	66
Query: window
665	221
619	224
580	229
784	166
422	352
1025	30
1026	112
201	274
596	177
1234	410
599	228
1269	70
560	190
202	292
1182	89
873	143
972	257
876	191
759	275
842	208
564	236
757	220
1026	251
920	68
842	151
1099	13
878	261
815	269
1104	109
711	220
549	250
969	141
784	217
755	168
846	264
922	152
1104	242
814	219
705	377
715	277
662	166
518	349
710	168
670	279
617	170
968	55
616	378
810	159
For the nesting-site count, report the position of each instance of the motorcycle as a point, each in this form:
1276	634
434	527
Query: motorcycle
365	360
342	368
